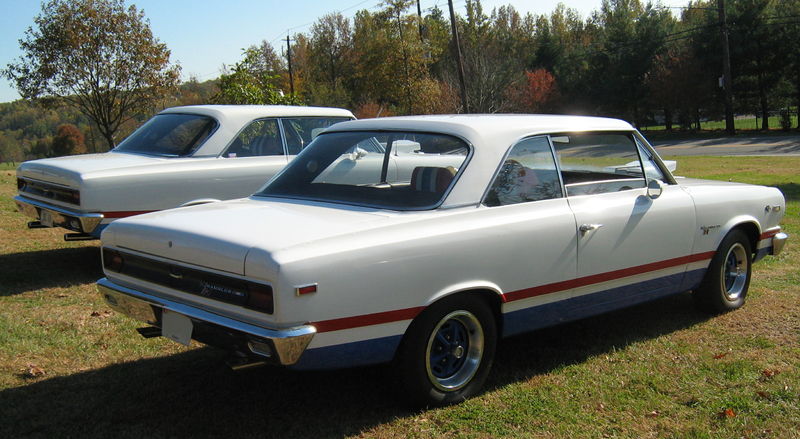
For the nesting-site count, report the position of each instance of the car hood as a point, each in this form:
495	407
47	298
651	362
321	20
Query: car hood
219	235
72	170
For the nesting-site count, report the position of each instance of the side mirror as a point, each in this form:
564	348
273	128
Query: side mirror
654	189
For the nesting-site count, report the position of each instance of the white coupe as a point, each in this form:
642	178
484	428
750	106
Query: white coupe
183	155
421	241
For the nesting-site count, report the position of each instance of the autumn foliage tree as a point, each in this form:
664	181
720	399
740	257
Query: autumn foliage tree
68	141
537	92
96	55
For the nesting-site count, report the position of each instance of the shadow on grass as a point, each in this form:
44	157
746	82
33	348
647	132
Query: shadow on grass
791	191
49	268
528	355
193	394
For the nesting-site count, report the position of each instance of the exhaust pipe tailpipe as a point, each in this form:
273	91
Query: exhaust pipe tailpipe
241	361
37	225
79	237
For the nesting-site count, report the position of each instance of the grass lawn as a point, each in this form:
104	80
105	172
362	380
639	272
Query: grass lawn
70	367
742	124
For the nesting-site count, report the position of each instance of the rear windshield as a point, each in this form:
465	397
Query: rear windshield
169	135
397	170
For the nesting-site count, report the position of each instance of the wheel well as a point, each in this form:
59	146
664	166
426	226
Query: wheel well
751	230
491	298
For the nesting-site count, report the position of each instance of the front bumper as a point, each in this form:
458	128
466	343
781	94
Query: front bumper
778	242
281	346
53	216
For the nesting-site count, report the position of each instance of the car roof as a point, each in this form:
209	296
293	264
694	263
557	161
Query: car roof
255	111
477	127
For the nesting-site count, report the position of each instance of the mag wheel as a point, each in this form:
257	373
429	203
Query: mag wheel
725	285
447	352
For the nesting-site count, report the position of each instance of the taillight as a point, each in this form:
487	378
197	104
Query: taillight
259	298
113	260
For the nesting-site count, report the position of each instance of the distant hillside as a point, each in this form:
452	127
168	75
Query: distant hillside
27	128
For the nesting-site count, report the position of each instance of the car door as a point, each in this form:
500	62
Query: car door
530	242
631	247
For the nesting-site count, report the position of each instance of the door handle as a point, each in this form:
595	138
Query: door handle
585	228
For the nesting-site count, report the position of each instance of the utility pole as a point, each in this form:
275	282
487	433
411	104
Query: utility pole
289	57
727	82
464	105
419	17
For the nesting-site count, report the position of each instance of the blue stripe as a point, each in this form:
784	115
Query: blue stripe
360	353
761	253
382	350
537	317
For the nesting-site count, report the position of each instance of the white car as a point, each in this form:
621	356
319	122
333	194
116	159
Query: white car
183	155
504	224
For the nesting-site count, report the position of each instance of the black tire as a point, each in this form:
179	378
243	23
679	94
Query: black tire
725	285
447	352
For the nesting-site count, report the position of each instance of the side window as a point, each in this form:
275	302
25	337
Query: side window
300	131
260	138
597	163
528	174
651	170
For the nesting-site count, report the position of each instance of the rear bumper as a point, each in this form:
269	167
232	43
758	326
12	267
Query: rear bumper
280	346
54	216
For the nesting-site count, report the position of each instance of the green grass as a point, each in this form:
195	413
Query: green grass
743	124
70	368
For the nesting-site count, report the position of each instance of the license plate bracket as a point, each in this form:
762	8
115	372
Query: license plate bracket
46	218
176	327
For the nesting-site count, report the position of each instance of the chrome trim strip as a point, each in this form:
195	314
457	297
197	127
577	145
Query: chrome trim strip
778	242
31	208
288	343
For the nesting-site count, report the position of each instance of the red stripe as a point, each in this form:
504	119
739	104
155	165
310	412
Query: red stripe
367	319
770	233
410	313
604	277
125	214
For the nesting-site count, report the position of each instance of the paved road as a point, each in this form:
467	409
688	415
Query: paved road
739	145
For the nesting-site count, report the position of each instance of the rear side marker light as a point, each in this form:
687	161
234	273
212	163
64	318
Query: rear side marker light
307	289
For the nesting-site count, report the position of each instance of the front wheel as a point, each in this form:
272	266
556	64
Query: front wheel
725	285
447	352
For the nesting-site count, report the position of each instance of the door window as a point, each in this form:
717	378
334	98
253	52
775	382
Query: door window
597	163
260	138
528	174
300	131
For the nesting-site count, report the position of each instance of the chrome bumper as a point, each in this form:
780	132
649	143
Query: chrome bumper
53	216
282	346
778	242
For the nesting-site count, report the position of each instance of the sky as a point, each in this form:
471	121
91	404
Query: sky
203	35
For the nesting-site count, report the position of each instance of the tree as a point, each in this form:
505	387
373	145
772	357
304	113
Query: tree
95	55
248	83
68	141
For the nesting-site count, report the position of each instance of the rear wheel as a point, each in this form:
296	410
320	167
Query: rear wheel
725	286
447	352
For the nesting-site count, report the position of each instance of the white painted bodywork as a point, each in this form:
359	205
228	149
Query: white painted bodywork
121	183
370	263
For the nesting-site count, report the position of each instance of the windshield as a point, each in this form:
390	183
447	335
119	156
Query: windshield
397	170
169	135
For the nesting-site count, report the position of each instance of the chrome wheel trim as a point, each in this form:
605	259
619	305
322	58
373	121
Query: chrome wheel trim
468	354
734	272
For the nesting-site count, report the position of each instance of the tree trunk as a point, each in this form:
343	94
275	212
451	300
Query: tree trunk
668	119
697	118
